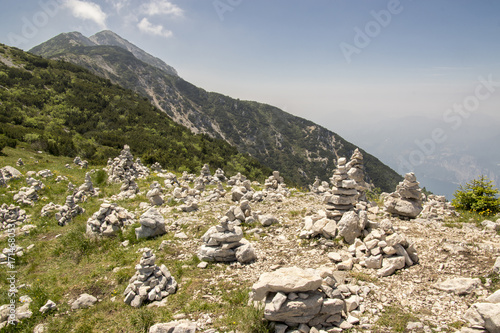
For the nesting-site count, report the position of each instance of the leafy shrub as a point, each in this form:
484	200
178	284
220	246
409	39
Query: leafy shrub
478	196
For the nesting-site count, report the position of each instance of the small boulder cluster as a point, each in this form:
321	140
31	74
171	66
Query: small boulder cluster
82	164
45	173
406	201
68	211
152	224
307	298
384	252
29	195
225	242
108	220
436	207
484	316
123	167
12	215
150	282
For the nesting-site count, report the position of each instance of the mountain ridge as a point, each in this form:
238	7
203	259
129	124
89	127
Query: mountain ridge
297	147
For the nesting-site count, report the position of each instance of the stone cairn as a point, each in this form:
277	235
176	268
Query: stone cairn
128	190
123	167
49	209
225	242
68	211
29	195
220	176
205	174
170	180
154	194
307	298
45	173
82	164
156	167
152	224
150	282
343	195
436	207
108	220
12	215
319	187
275	187
85	190
19	162
242	190
356	172
406	202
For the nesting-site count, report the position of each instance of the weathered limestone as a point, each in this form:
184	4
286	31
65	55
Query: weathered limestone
308	298
128	190
150	282
83	301
436	207
123	167
225	242
178	326
82	164
154	194
219	175
156	167
68	211
407	200
152	224
7	173
485	315
458	286
108	220
12	215
21	312
319	187
49	306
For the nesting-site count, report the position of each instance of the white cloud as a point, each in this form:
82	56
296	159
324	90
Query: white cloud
87	11
149	28
118	4
161	7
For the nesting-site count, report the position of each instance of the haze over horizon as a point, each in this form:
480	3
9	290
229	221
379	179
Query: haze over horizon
348	66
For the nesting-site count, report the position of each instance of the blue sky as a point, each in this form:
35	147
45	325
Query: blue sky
418	58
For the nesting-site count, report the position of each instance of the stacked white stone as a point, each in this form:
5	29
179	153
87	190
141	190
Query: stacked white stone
436	207
68	211
407	200
152	224
123	167
12	215
150	282
225	242
343	195
307	298
154	194
219	174
85	190
108	220
356	172
29	195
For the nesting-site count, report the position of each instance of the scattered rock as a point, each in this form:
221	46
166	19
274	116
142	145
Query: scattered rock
83	301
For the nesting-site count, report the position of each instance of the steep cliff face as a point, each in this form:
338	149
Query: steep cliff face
299	148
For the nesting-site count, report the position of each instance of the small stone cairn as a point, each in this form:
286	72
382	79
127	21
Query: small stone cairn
150	282
152	224
220	175
12	215
356	171
128	190
436	207
29	195
45	173
49	209
154	194
20	162
319	187
170	180
68	211
308	298
406	201
275	187
108	220
225	242
156	167
82	164
85	190
123	167
205	174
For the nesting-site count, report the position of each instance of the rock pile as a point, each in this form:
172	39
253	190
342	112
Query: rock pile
12	215
68	211
170	180
156	167
237	179
45	173
49	209
225	242
128	190
406	202
29	195
386	253
319	187
82	164
150	282
276	187
220	175
7	173
205	174
436	207
356	172
308	298
123	167
152	224
108	220
243	191
343	195
19	162
154	194
85	190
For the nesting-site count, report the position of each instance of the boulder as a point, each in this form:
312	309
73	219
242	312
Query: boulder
84	301
459	286
181	326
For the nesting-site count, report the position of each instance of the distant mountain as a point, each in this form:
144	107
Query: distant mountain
299	148
64	109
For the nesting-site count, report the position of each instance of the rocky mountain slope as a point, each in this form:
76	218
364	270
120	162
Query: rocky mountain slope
299	148
69	281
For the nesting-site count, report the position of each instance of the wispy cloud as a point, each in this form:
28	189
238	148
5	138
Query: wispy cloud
153	29
161	7
87	10
119	4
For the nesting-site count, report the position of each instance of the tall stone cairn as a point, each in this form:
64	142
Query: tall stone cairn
150	282
123	167
343	195
356	171
407	200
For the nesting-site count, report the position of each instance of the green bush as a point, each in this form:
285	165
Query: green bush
479	196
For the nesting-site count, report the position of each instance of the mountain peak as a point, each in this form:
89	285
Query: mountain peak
110	38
